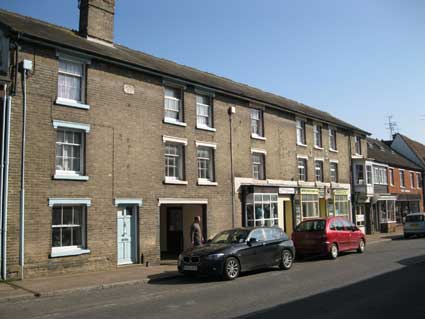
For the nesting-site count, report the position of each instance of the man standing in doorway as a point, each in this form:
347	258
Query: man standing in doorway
195	232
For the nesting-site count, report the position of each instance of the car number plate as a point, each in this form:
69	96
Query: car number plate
190	267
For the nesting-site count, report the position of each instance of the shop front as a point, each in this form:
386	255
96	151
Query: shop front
383	214
406	204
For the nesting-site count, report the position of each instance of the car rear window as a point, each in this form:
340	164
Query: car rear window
311	225
415	218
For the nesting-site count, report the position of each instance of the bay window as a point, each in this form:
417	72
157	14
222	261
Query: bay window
261	210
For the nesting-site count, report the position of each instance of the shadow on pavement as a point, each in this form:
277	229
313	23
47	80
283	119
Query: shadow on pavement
397	294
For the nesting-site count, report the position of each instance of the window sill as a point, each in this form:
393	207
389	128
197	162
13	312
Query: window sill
300	144
68	252
206	128
318	147
174	122
332	150
174	182
72	103
204	182
258	137
71	177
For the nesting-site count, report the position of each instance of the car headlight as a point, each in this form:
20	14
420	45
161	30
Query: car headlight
215	256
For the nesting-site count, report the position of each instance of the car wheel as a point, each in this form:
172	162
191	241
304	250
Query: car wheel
286	260
231	268
362	246
333	252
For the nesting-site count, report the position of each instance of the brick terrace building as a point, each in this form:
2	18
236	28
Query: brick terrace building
123	150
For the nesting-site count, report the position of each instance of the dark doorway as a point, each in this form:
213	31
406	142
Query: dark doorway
174	231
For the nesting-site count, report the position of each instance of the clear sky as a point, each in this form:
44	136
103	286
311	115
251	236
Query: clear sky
360	60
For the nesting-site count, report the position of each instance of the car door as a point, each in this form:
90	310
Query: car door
342	235
257	253
271	249
352	240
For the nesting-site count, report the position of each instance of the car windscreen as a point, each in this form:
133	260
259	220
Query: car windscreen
414	218
233	236
311	225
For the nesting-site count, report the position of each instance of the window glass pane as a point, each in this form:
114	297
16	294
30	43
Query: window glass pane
172	92
78	215
67	215
57	215
56	237
66	236
259	211
267	211
76	236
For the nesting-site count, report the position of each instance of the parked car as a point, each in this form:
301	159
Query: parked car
241	249
328	236
414	225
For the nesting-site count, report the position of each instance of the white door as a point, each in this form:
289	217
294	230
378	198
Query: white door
126	235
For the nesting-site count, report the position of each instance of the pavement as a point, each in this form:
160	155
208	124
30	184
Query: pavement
122	276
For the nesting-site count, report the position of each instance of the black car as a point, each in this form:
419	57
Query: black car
241	249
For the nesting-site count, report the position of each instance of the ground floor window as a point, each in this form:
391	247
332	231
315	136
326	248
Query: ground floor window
307	205
386	210
403	208
68	227
261	210
342	205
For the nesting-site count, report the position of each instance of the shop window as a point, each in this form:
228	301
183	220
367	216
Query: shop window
310	205
261	210
341	206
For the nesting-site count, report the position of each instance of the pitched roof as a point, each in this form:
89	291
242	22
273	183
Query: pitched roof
382	153
42	31
416	147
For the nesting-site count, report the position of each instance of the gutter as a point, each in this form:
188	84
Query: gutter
171	77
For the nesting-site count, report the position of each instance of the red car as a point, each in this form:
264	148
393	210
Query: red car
327	236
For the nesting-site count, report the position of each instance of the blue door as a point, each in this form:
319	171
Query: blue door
126	235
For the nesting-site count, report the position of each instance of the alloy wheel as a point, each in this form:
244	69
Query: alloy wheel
361	246
334	251
286	259
232	268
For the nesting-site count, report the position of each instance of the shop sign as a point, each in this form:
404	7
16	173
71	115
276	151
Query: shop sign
341	192
313	191
286	190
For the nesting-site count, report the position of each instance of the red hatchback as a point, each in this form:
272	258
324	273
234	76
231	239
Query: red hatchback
328	236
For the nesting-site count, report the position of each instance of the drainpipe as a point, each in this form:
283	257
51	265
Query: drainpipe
5	181
231	111
26	66
2	164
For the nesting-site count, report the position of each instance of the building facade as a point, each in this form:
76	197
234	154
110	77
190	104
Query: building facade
122	150
387	187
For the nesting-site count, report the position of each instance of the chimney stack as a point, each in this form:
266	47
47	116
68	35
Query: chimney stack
97	20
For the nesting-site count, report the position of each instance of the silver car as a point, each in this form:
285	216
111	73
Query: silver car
414	225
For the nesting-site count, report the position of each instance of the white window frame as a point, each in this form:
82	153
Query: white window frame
259	133
211	149
391	175
357	145
332	137
357	174
180	143
412	180
402	180
269	200
331	163
210	118
321	168
418	180
261	164
315	202
318	136
369	174
70	102
180	118
84	129
305	167
301	132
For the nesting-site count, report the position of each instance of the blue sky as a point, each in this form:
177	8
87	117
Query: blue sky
360	60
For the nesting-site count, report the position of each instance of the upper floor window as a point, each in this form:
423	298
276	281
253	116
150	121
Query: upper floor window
402	181
333	166
368	174
257	123
318	136
173	105
69	152
412	180
258	165
391	174
418	180
205	156
358	145
204	111
380	175
71	80
301	138
302	169
359	174
318	167
174	168
332	139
